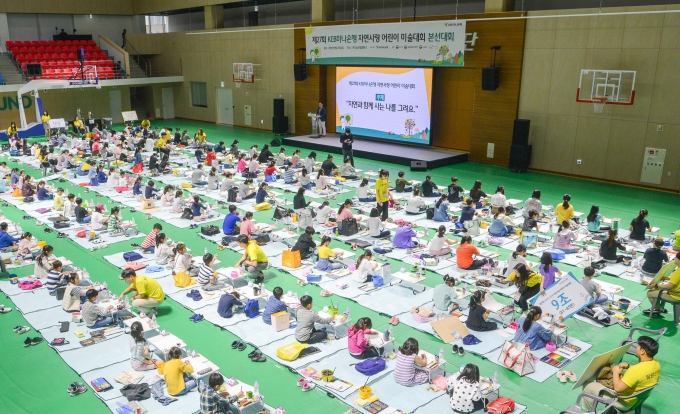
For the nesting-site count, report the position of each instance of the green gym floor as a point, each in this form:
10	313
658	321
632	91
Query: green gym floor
34	379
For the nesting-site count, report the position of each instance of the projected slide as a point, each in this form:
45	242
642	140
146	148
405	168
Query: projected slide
386	103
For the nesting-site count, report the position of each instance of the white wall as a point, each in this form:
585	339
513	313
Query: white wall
41	26
4	31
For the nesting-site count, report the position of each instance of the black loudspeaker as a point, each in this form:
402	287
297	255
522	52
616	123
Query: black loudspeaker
34	69
520	158
252	18
278	108
280	125
418	165
300	71
491	78
520	132
80	52
275	143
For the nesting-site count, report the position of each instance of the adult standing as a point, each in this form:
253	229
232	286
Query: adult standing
321	112
382	196
149	292
347	139
253	258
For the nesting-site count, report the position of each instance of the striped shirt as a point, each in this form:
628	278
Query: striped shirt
78	291
150	239
91	313
273	306
405	370
205	273
114	225
53	278
289	176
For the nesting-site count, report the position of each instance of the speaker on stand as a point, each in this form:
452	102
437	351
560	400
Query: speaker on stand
520	132
278	107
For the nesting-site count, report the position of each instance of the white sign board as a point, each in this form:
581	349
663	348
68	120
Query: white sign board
652	165
57	123
129	116
564	298
429	44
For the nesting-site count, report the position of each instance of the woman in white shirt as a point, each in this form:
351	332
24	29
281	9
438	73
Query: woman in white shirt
415	205
466	396
114	178
323	214
184	261
163	252
498	199
363	192
321	181
69	206
515	258
98	219
310	161
376	228
177	202
534	203
167	198
365	268
439	245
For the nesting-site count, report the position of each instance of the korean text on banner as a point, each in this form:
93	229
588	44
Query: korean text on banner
564	298
429	44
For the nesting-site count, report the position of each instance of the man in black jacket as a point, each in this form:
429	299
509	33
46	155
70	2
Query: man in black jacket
305	244
347	139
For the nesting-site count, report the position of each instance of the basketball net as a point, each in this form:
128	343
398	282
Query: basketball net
599	103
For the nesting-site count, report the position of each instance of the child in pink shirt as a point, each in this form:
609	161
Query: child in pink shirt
247	225
358	344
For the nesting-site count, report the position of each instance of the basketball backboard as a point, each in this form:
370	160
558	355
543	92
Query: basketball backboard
614	87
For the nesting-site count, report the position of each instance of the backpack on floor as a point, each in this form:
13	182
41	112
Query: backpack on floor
371	366
252	308
232	194
429	213
131	256
187	214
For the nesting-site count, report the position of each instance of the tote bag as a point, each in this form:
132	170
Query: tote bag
517	357
291	260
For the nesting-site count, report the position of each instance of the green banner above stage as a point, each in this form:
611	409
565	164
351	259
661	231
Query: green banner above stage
425	44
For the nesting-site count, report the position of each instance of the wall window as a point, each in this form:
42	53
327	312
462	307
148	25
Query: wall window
199	94
156	24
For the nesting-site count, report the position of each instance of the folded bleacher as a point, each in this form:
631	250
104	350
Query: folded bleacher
58	57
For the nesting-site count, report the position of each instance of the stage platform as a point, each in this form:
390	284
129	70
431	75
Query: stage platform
393	152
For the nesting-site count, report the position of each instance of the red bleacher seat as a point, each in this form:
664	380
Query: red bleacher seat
35	43
44	43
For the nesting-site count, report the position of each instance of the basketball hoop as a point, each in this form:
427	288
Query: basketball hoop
599	103
243	73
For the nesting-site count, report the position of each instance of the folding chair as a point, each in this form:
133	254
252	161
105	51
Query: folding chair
676	305
576	408
633	344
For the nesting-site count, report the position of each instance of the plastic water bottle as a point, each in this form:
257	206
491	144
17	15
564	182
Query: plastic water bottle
386	335
163	332
256	390
494	379
441	354
205	251
105	286
153	320
390	330
85	274
306	292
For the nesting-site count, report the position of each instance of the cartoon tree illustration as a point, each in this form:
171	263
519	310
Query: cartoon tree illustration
347	118
443	51
409	125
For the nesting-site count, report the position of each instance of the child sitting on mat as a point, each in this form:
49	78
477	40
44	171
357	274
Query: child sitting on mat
465	390
365	268
206	275
532	332
445	296
325	263
357	343
274	305
305	332
363	192
177	373
93	316
403	237
140	358
439	245
408	360
477	318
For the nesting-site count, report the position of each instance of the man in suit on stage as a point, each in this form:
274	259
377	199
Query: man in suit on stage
322	119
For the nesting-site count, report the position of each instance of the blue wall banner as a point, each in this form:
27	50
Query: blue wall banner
425	44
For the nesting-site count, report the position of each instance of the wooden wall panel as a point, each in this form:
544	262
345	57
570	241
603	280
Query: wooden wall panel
464	116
